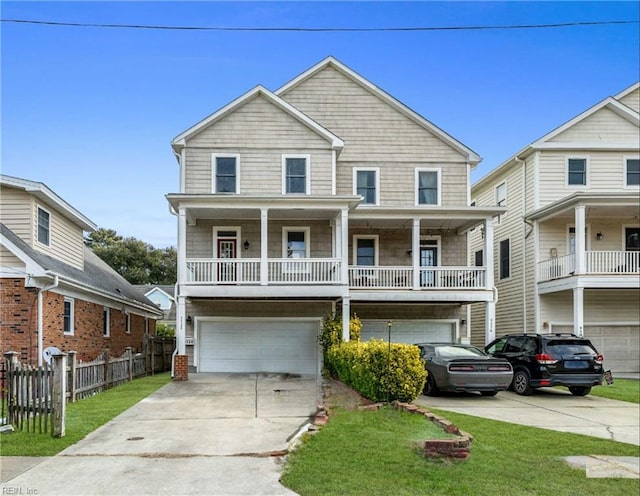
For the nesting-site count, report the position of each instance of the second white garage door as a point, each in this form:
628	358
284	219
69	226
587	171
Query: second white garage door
258	346
409	331
620	346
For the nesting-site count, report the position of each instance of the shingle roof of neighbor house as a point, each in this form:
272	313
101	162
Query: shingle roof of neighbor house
96	276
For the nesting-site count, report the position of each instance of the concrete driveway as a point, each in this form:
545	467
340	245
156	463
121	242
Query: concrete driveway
215	434
550	408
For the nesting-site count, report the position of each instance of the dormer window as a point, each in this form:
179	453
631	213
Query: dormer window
44	219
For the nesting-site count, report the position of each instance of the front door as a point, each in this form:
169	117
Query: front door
428	258
227	249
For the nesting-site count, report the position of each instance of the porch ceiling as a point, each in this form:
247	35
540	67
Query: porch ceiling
621	207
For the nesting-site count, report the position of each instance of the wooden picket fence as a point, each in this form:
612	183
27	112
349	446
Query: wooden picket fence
29	393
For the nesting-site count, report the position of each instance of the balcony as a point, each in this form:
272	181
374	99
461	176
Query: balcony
428	278
612	263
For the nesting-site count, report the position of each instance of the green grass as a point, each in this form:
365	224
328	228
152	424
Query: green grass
621	389
83	417
365	453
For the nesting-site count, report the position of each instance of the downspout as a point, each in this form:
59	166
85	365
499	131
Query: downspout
175	350
40	316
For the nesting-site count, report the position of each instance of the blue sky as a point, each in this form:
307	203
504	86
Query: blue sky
91	111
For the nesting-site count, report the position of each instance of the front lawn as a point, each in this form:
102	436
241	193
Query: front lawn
371	452
621	389
83	417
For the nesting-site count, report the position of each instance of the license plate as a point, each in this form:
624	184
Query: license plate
578	364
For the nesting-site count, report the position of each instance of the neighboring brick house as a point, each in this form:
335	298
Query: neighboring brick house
327	194
54	291
583	176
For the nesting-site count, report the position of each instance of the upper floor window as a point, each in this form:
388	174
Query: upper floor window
501	194
225	174
427	186
365	250
479	258
106	322
505	259
365	184
44	220
577	171
632	172
67	316
295	174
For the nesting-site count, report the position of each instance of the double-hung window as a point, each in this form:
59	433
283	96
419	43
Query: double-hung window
295	176
632	172
68	316
427	186
479	258
44	226
106	322
365	184
501	195
225	174
505	259
576	171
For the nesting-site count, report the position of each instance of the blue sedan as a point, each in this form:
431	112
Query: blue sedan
463	368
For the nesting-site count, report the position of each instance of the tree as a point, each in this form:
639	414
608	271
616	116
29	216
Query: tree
138	262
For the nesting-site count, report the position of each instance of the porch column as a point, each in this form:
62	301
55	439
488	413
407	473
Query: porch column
580	239
578	311
182	245
490	321
488	253
346	316
415	253
344	250
181	325
264	247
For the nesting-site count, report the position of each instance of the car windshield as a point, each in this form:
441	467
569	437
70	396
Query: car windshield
563	347
459	351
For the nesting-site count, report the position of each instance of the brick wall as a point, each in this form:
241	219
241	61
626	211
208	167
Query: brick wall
18	323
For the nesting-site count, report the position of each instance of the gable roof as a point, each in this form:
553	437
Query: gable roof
43	193
610	103
97	276
626	91
330	61
180	140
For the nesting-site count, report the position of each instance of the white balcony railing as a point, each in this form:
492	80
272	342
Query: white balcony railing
376	277
248	271
597	262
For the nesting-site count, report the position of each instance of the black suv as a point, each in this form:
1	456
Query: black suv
541	360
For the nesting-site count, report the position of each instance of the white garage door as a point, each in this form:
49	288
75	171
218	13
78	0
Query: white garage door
259	346
409	331
620	346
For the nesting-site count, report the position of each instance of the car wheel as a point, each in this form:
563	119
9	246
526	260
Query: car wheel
579	390
488	393
521	383
430	388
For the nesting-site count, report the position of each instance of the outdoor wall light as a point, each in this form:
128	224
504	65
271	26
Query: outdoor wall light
189	319
409	252
246	245
599	236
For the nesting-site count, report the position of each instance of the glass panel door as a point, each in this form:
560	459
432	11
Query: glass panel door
227	270
428	258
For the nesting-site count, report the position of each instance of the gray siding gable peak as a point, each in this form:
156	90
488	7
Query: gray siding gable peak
43	193
472	157
180	140
610	102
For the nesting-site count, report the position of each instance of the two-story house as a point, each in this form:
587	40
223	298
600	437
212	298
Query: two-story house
325	195
567	250
54	291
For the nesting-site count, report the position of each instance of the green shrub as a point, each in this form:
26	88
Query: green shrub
164	331
332	334
379	371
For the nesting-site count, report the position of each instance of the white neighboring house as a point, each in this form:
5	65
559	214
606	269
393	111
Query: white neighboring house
162	296
582	177
325	195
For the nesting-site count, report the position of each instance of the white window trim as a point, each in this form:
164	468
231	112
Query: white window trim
307	172
587	237
106	314
355	183
238	238
376	242
418	170
623	234
307	239
214	171
72	316
499	264
587	168
625	159
40	207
